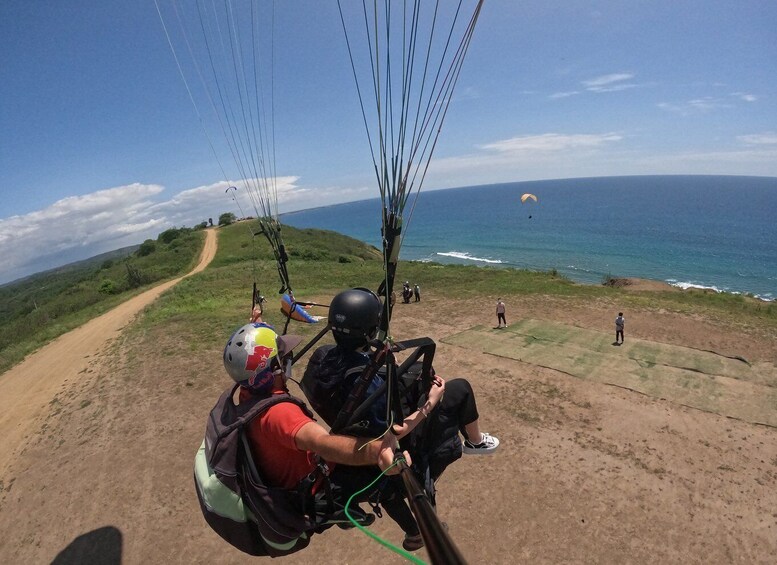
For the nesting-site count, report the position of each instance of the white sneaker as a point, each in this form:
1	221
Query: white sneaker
487	445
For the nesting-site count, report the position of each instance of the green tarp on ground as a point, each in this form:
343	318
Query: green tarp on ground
701	379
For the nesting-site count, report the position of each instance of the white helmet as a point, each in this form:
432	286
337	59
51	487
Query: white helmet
249	354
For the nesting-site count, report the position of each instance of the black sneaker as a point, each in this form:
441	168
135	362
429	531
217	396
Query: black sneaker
412	543
488	445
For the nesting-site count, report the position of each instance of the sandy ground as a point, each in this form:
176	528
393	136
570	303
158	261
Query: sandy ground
96	458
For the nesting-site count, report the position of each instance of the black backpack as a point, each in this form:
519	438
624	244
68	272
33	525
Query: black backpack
235	500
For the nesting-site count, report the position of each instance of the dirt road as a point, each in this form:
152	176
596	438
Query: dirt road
27	389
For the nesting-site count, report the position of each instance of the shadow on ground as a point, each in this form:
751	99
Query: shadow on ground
99	547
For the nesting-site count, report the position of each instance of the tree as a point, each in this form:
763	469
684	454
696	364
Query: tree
169	235
107	286
146	248
226	218
135	277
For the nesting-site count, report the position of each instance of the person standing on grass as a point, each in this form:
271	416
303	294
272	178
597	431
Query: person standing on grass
500	313
620	322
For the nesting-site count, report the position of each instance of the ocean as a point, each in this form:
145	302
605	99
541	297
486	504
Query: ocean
709	232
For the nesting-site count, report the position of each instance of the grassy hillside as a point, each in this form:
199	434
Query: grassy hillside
321	263
59	275
41	307
207	307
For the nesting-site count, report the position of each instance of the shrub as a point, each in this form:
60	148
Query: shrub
135	277
146	248
226	218
202	225
107	264
107	286
169	235
309	254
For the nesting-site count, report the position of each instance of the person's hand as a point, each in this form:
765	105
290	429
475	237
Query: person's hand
386	461
437	390
388	448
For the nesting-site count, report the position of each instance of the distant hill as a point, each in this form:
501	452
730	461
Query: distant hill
39	307
81	265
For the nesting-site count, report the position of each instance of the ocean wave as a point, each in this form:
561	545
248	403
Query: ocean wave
468	257
687	285
767	297
576	268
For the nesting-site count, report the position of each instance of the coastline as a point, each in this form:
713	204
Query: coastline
633	284
579	229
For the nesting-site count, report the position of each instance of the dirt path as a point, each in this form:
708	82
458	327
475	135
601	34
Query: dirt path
27	389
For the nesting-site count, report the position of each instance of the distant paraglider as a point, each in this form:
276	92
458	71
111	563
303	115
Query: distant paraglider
526	197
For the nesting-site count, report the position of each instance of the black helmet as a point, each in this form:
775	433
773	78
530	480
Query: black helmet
355	316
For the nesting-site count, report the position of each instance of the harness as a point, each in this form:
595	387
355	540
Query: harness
239	504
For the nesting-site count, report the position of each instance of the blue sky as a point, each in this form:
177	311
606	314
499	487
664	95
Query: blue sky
100	146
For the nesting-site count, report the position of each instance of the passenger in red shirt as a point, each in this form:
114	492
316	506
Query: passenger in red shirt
285	440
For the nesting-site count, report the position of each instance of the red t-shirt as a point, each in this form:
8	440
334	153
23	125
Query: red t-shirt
271	436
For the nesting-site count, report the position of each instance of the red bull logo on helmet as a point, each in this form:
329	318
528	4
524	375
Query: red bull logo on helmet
257	360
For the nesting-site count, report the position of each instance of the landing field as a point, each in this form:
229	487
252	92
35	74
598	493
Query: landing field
728	385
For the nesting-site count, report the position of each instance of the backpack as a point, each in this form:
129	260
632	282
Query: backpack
236	502
329	376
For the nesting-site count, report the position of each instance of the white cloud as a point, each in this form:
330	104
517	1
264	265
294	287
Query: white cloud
609	83
766	138
614	87
752	162
607	79
745	96
557	95
695	106
706	104
550	142
554	156
79	227
529	157
72	227
467	93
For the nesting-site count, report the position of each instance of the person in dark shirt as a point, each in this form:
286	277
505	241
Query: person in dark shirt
620	323
332	371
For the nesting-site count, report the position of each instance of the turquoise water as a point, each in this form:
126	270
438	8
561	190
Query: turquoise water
716	232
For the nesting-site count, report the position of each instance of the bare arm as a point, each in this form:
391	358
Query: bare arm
435	396
345	449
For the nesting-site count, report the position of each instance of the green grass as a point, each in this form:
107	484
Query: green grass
204	308
42	307
207	307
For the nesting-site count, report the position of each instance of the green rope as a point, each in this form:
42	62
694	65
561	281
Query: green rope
380	540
